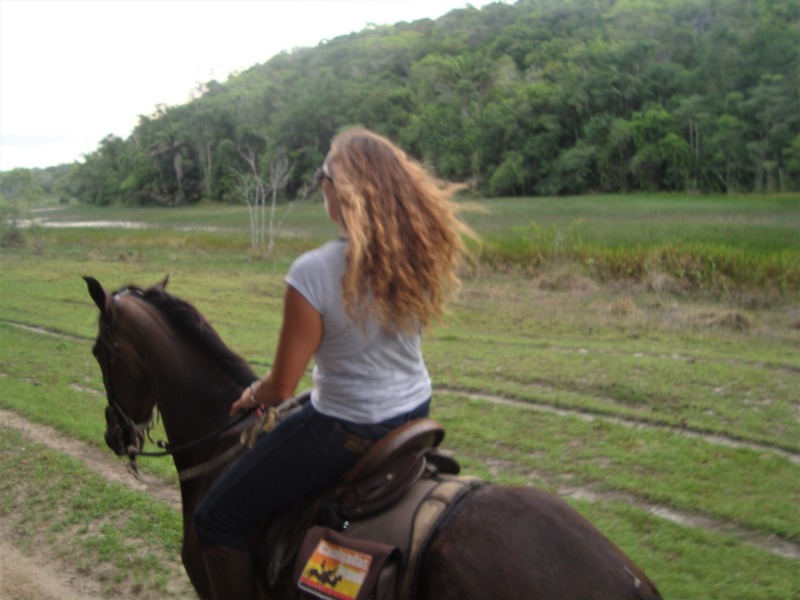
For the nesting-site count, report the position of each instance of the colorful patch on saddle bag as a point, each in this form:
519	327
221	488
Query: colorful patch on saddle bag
334	567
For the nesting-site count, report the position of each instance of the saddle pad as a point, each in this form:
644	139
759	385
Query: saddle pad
411	523
335	567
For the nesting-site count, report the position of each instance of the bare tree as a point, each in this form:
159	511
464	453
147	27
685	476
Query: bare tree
279	171
255	191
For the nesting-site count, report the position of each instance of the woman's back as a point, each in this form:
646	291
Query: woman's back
363	372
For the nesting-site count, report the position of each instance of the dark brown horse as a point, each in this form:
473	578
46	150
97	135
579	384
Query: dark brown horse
156	350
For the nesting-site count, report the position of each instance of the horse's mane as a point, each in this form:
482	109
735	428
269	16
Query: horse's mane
194	327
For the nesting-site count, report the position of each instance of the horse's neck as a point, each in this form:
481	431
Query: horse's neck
192	393
194	401
192	409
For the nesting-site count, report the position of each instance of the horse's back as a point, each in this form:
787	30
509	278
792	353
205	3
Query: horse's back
509	543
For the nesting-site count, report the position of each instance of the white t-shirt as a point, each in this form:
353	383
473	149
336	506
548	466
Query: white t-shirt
362	374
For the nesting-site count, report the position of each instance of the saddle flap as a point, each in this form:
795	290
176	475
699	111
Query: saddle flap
379	492
330	565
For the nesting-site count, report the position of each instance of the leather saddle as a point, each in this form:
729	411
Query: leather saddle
383	476
390	467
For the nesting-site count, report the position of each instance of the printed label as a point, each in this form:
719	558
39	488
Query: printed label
335	572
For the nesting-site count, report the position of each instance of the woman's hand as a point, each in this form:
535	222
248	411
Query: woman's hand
247	401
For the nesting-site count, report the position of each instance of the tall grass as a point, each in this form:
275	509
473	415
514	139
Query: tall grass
715	245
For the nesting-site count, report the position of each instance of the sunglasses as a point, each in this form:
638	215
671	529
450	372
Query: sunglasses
321	174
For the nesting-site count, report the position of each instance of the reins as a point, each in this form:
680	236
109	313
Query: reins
169	451
191	472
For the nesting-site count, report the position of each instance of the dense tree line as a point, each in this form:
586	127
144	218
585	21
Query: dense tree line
538	97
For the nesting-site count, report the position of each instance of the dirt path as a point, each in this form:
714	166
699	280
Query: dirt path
38	577
104	464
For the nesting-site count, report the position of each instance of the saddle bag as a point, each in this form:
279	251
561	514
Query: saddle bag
332	566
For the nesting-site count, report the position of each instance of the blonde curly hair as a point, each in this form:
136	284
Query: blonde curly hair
405	243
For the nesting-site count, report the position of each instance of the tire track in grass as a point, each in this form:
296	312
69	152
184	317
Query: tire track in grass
46	331
588	416
771	543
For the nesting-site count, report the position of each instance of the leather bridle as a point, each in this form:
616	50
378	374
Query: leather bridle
138	431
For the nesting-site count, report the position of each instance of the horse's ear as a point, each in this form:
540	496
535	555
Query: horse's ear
97	293
162	285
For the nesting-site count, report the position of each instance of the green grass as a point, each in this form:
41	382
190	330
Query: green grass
708	353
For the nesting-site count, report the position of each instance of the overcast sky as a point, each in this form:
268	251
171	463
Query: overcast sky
74	71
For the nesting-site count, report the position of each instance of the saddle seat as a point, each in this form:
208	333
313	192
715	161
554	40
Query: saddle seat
416	435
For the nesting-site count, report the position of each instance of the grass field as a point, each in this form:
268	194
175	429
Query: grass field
638	355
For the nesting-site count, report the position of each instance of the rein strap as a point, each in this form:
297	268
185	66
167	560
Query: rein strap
169	451
218	460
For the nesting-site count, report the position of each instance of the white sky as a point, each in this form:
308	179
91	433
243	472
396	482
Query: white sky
74	71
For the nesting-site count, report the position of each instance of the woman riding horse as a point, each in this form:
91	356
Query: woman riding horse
357	305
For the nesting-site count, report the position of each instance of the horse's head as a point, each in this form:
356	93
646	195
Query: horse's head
131	402
155	349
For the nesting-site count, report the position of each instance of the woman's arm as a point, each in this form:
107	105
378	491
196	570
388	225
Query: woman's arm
301	334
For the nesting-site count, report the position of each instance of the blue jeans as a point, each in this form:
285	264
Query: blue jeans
303	454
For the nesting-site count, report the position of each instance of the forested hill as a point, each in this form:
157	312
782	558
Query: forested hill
538	97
